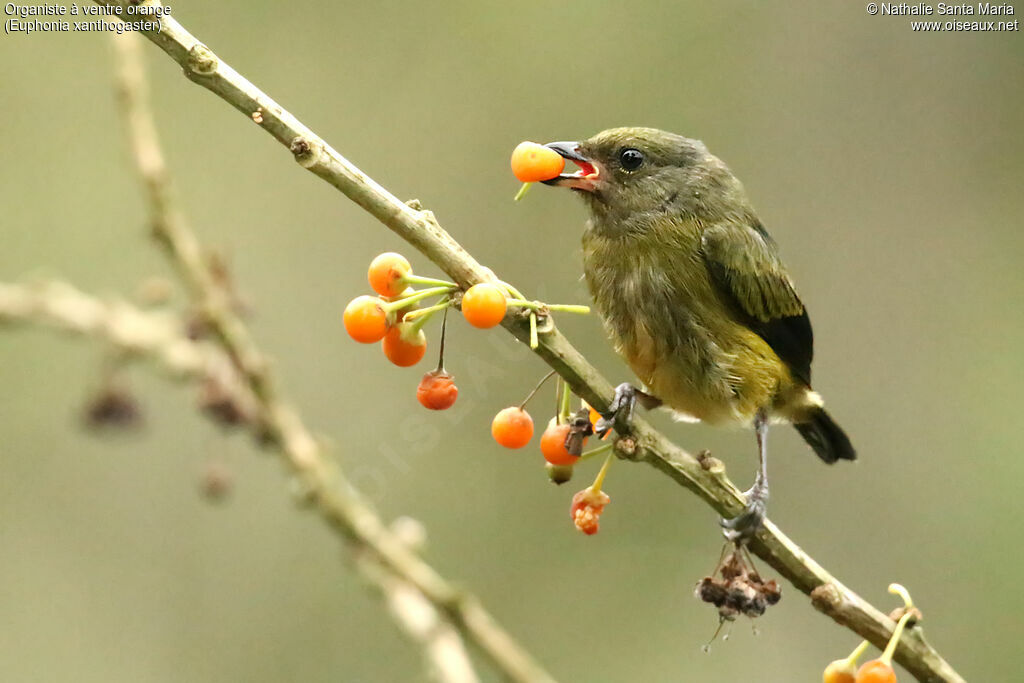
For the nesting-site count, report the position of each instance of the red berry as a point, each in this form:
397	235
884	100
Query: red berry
512	427
437	390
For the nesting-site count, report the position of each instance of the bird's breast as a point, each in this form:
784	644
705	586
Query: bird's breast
667	322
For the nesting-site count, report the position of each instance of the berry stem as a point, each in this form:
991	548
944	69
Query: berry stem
569	308
398	304
898	589
536	389
421	320
599	481
440	355
420	312
596	452
890	649
421	280
512	290
565	406
522	191
541	306
851	661
534	341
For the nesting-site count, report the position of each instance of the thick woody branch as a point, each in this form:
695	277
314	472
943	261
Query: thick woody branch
421	230
424	604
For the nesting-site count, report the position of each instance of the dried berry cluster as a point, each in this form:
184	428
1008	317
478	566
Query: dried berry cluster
740	589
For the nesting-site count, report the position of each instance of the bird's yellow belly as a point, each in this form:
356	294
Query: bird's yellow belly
725	377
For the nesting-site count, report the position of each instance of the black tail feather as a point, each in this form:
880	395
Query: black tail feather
827	438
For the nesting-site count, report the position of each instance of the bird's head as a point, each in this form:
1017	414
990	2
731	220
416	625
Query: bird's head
626	173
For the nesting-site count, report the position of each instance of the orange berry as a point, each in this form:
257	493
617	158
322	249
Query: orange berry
365	320
876	671
839	671
532	162
437	390
484	305
552	445
387	273
404	345
594	417
512	427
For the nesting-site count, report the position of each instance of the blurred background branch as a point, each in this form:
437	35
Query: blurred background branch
159	337
418	597
421	230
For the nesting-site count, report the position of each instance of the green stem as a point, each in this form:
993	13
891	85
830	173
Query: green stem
599	481
419	312
522	191
534	341
541	306
523	303
569	308
428	313
566	405
900	590
558	396
393	306
421	280
512	290
597	451
851	661
890	649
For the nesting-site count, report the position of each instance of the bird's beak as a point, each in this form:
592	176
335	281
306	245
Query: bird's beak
584	179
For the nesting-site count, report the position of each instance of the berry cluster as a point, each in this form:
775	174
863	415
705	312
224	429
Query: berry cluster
877	670
396	316
561	444
740	589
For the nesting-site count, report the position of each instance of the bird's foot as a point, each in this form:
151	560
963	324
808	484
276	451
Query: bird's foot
745	525
621	407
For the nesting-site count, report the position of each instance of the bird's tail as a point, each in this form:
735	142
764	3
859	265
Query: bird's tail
827	438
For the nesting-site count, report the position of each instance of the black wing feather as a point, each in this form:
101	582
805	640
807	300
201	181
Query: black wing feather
744	264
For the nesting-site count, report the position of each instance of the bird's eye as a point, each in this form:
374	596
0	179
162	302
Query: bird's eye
630	159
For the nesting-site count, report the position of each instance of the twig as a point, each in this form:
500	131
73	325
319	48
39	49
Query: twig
135	333
278	424
442	645
421	230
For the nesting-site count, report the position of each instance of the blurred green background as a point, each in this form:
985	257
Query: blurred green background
886	163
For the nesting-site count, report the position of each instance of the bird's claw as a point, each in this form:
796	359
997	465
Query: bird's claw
621	408
745	525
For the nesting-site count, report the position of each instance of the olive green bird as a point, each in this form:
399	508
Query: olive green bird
694	296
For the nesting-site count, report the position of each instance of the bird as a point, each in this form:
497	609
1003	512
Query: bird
695	297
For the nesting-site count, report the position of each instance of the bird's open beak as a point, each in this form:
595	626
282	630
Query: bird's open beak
584	179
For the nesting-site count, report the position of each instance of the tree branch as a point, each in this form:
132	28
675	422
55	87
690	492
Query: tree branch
421	230
413	589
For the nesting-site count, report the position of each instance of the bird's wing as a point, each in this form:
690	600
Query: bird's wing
744	265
